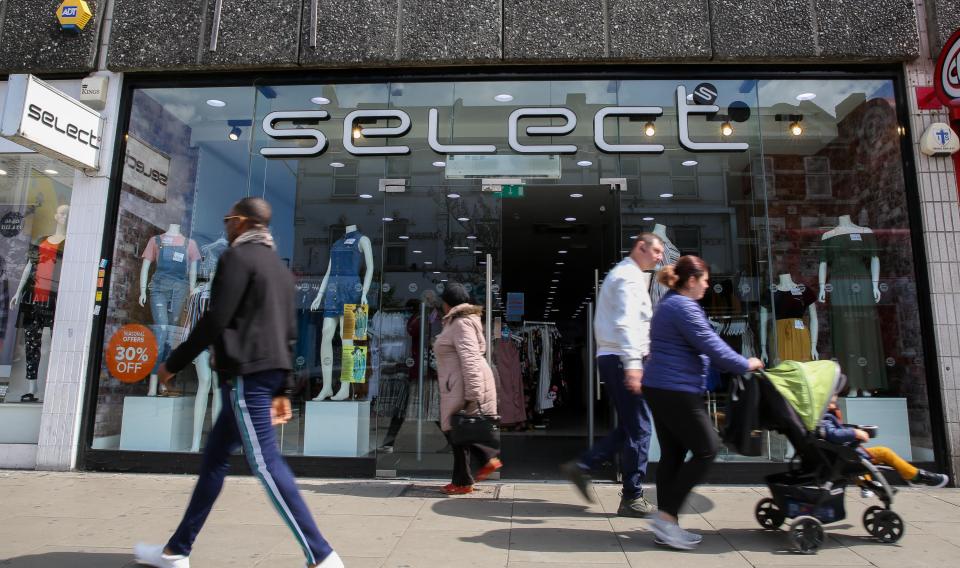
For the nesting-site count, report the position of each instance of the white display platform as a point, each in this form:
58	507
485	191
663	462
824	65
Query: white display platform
20	422
337	429
888	414
157	423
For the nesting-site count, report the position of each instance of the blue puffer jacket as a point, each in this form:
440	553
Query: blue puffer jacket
683	344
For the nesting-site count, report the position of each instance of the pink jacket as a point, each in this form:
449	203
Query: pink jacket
463	371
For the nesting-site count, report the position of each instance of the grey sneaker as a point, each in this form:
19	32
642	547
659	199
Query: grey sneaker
579	478
669	534
928	479
637	507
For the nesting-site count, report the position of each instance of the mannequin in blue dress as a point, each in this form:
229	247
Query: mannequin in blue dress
341	285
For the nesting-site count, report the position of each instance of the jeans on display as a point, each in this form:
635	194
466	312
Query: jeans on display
245	420
631	437
167	296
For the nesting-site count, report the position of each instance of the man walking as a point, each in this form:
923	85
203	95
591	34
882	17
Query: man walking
622	330
252	329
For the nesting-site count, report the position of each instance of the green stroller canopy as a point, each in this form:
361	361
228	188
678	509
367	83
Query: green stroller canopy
807	387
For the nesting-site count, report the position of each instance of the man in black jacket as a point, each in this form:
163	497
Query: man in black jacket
251	326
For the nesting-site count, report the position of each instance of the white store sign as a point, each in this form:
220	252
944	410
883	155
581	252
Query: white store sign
45	119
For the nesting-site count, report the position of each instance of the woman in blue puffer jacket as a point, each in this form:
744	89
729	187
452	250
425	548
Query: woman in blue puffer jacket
683	345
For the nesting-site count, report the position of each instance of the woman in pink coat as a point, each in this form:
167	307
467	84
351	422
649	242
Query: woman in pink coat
466	383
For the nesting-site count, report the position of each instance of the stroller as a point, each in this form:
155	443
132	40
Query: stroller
792	401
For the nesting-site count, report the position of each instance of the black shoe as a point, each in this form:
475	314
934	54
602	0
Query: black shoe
636	507
29	398
579	478
928	479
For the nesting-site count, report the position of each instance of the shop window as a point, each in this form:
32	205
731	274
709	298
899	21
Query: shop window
817	169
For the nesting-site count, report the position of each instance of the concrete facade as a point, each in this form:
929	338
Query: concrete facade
183	35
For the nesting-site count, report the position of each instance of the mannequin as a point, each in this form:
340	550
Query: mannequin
197	305
795	341
174	276
341	285
851	253
670	256
42	274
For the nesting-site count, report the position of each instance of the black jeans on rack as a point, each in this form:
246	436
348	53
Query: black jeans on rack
682	425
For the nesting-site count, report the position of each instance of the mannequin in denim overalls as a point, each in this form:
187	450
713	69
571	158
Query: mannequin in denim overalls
175	276
341	285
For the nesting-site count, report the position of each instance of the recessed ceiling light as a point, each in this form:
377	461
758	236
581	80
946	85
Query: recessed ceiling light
461	248
806	96
365	196
428	262
51	172
562	251
648	218
3	172
554	280
584	163
666	195
320	100
453	195
503	98
463	219
403	237
634	237
570	219
216	103
336	164
387	219
418	252
478	251
690	163
440	164
555	310
576	195
472	237
565	237
559	263
443	279
438	273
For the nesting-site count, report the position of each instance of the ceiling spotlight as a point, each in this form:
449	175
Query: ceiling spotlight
387	219
555	280
403	237
569	219
365	196
689	163
576	195
666	195
806	96
436	273
463	219
565	237
648	218
584	163
471	237
477	251
562	251
440	164
428	262
320	100
234	133
453	195
795	128
559	263
649	129
336	164
503	98
418	252
726	128
216	103
51	172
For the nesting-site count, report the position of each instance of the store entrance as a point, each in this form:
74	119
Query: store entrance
557	243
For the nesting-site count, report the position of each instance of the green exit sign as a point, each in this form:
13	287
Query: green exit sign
510	191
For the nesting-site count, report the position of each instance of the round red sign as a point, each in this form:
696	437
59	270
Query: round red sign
946	81
131	353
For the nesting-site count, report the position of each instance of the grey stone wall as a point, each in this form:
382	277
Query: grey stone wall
944	19
31	39
165	35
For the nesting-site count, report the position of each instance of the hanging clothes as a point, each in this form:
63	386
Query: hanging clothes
506	356
793	331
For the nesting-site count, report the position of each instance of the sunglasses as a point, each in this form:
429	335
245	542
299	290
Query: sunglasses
229	217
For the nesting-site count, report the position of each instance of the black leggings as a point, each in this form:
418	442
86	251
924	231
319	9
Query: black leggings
461	460
682	425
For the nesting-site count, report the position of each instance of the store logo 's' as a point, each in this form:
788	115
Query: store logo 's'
703	98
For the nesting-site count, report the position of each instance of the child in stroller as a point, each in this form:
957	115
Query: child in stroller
792	399
833	430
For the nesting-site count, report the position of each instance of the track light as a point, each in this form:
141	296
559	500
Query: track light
726	128
234	133
649	129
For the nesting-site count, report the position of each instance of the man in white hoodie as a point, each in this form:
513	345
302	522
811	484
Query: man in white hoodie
622	330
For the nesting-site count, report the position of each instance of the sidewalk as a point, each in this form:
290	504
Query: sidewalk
84	520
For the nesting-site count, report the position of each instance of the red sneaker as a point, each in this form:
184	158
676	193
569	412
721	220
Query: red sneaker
451	489
493	465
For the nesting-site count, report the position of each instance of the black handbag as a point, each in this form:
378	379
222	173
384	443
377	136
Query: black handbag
475	429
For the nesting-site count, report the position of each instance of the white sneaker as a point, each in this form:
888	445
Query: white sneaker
672	535
152	555
332	561
867	493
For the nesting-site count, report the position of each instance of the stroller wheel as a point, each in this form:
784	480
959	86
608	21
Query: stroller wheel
806	535
769	514
883	524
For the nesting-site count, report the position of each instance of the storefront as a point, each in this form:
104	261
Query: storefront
796	188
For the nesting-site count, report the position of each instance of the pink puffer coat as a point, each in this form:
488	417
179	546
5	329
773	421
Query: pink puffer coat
463	371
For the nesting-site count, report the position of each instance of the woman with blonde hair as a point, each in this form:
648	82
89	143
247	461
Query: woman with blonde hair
683	346
466	383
